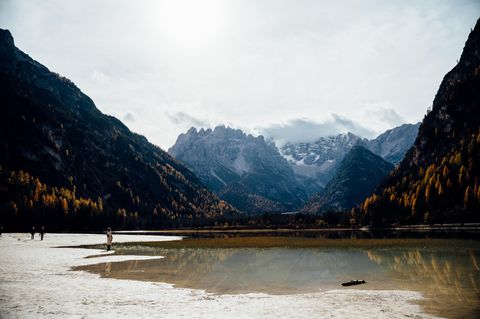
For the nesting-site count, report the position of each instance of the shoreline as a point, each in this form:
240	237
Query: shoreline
474	227
37	280
421	228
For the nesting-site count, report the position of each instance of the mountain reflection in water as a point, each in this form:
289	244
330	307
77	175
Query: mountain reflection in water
447	276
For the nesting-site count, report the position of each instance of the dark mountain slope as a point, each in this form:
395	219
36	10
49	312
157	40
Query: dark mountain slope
438	180
357	176
50	129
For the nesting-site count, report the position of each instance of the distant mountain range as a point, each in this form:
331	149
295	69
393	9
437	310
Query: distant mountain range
357	176
438	180
65	164
314	163
246	170
255	176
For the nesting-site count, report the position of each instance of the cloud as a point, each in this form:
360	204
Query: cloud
129	117
180	118
347	125
292	60
306	130
390	115
99	77
382	112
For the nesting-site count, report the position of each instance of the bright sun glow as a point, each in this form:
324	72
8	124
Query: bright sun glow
191	24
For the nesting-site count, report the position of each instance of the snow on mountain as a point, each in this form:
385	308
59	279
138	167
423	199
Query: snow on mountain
314	163
230	162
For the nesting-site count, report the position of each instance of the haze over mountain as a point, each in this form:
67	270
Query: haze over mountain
438	180
238	166
65	164
356	177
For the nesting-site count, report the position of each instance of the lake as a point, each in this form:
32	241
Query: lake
445	271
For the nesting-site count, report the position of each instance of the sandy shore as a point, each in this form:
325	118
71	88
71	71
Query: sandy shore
36	282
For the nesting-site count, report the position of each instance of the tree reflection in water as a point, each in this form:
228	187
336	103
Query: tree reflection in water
449	278
447	275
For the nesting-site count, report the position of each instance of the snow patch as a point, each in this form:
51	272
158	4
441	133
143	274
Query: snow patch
217	177
240	165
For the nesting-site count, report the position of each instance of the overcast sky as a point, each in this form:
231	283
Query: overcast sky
311	67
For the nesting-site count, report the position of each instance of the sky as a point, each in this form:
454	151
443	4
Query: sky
290	70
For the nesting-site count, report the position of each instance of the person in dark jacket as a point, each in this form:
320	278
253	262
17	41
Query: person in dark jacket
32	233
42	232
109	238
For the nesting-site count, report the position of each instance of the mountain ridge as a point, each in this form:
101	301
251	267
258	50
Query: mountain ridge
437	181
224	156
52	130
357	176
315	163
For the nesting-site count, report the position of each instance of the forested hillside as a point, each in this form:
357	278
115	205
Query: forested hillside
357	176
90	166
438	181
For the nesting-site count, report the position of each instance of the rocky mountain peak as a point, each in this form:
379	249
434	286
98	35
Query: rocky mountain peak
53	131
394	143
226	156
315	163
192	131
6	40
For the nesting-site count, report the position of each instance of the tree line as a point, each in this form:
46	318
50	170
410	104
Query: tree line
26	201
447	190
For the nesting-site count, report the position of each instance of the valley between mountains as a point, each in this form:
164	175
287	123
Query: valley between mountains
65	164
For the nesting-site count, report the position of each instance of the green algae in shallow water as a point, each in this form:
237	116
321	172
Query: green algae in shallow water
300	242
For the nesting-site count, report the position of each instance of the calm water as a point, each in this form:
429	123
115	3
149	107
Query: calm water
446	273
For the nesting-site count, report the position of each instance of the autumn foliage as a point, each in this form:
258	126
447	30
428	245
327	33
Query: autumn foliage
447	191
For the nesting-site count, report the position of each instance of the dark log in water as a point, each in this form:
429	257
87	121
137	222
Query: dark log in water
353	282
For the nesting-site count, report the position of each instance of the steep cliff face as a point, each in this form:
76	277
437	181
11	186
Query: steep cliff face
226	159
393	144
53	131
438	179
356	177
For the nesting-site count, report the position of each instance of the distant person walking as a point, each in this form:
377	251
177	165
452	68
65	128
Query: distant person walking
32	233
109	238
42	232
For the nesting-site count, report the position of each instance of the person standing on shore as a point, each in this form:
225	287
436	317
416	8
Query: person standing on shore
32	233
42	232
109	238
